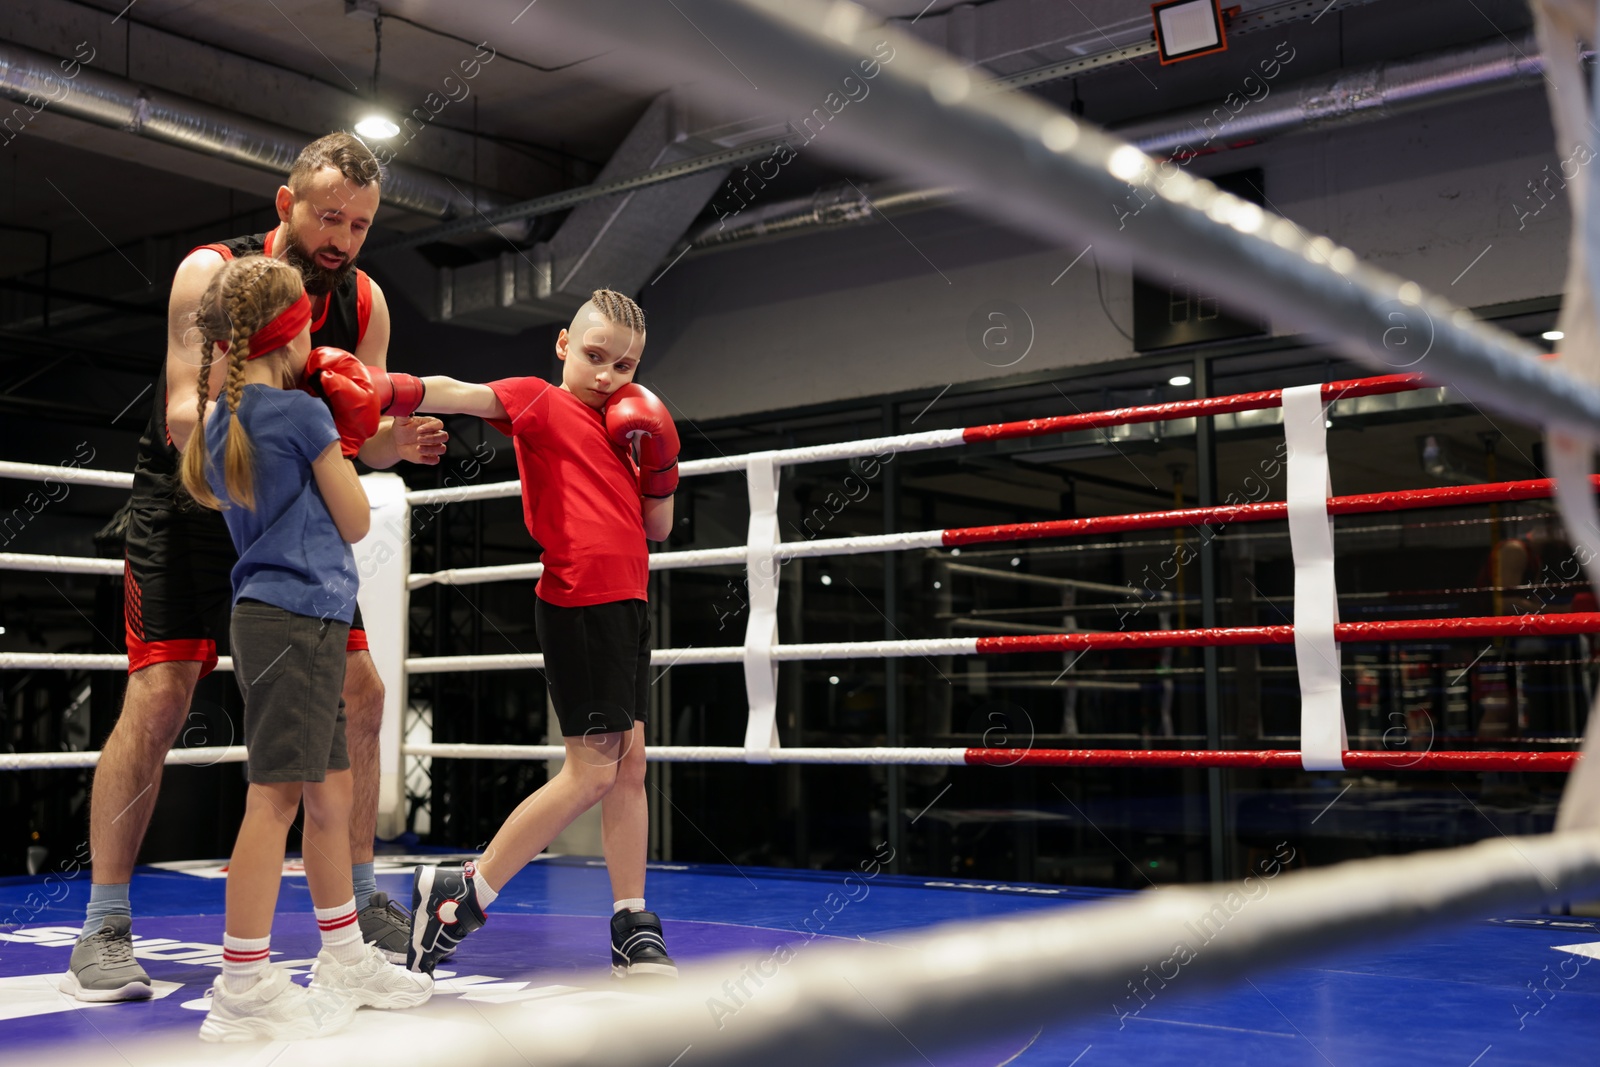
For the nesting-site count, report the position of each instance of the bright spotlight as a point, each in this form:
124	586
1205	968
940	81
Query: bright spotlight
377	127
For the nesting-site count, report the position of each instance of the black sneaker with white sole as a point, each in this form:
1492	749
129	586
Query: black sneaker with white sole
637	947
444	910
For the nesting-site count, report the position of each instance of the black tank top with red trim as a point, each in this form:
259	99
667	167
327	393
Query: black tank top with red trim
340	322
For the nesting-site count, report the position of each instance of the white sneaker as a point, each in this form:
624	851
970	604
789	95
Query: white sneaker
372	983
274	1009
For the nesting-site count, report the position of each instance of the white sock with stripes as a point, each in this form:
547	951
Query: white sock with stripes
341	933
629	904
244	961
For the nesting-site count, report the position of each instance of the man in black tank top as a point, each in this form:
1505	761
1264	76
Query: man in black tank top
180	558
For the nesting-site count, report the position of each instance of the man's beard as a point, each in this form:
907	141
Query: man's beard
319	280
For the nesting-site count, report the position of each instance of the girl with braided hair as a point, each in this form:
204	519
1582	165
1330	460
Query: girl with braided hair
274	460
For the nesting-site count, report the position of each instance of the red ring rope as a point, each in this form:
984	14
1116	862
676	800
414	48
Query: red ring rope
1578	622
1360	759
1222	514
1185	409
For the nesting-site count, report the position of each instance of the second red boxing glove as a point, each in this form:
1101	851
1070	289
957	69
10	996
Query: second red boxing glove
634	412
399	395
342	381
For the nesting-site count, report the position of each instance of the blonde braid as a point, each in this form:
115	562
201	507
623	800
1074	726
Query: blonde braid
237	297
241	299
193	469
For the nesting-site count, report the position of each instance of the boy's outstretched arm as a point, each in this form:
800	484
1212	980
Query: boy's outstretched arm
402	394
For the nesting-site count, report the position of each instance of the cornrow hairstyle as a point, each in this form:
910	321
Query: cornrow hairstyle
342	151
620	309
243	296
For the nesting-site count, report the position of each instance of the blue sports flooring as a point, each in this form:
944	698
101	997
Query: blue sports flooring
1513	990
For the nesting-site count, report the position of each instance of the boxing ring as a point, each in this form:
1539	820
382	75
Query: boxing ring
760	654
1507	873
961	985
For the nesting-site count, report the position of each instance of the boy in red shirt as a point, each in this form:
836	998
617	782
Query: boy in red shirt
591	507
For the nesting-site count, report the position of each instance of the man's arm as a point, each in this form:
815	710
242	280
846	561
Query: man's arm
184	345
418	440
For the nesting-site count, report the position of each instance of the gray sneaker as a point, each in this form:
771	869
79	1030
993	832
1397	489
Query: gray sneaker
388	925
103	967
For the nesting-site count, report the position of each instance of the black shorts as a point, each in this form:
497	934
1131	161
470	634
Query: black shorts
178	586
290	669
597	663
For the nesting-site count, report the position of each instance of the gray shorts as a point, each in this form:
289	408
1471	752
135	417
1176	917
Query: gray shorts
290	669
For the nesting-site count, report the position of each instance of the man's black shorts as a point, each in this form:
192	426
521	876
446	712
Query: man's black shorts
178	588
597	663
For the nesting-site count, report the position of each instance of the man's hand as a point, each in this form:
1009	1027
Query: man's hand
420	439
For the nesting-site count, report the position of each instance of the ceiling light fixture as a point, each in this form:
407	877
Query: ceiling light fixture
374	125
1179	379
1188	28
377	127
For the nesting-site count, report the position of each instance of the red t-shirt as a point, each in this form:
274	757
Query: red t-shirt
580	496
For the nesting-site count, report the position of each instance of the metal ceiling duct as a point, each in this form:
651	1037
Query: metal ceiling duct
848	204
616	242
37	80
1361	95
1349	97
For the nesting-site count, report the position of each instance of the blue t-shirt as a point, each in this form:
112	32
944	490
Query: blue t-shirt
290	551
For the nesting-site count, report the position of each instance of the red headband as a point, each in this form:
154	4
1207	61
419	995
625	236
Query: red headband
280	331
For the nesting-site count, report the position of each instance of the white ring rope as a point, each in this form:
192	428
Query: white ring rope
871	446
77	661
188	757
686	657
476	575
708	754
18	561
44	472
462	494
703	557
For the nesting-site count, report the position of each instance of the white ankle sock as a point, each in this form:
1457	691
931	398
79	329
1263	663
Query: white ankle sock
481	887
244	960
630	904
341	932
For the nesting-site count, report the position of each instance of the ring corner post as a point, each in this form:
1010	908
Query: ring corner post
383	561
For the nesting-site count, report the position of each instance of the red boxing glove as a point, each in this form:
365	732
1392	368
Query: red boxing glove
399	395
342	381
633	412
